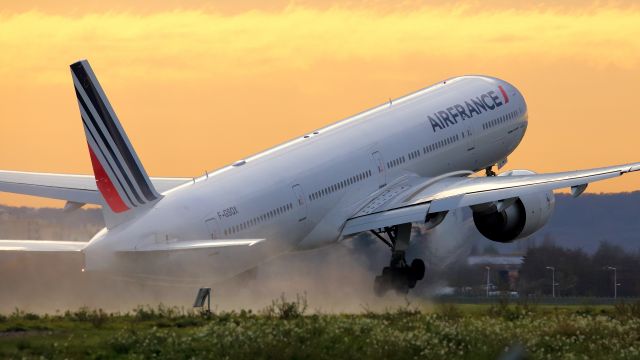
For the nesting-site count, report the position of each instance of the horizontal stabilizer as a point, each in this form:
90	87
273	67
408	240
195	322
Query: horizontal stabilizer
194	245
41	246
75	188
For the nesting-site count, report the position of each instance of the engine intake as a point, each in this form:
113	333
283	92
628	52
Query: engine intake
515	218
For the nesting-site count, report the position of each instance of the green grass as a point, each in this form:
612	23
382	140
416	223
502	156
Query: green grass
285	331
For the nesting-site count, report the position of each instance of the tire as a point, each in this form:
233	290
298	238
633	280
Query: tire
387	272
412	283
401	286
380	286
417	269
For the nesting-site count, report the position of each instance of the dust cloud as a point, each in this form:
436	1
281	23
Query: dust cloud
336	278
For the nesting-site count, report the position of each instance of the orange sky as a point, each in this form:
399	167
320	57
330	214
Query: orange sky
198	85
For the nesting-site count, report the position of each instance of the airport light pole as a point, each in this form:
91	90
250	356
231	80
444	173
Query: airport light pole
488	278
615	281
553	280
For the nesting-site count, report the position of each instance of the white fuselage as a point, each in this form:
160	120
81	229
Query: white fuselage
298	195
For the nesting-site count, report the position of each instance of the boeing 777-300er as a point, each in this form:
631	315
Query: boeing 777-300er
411	160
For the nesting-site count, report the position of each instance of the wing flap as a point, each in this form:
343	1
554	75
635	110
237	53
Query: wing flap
380	220
41	246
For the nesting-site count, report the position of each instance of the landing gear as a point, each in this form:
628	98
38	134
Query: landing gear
489	171
398	276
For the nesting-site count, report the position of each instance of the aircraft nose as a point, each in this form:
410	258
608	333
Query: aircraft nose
514	95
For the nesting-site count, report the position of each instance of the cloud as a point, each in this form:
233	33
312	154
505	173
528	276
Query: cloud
191	45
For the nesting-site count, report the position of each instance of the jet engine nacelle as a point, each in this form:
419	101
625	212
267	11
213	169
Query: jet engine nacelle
515	218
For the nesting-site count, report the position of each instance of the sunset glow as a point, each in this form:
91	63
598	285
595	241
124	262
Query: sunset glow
199	87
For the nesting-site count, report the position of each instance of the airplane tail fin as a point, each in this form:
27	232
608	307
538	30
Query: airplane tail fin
120	177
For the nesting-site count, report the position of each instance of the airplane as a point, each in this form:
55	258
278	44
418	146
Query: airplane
418	159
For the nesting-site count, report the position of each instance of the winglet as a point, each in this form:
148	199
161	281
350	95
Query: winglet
120	177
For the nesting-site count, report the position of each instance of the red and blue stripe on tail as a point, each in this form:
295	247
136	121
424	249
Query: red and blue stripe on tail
120	177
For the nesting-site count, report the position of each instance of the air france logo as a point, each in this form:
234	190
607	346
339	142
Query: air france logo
488	101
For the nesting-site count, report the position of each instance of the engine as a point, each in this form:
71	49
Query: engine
515	218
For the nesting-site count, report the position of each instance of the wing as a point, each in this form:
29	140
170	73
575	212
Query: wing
41	246
415	199
75	188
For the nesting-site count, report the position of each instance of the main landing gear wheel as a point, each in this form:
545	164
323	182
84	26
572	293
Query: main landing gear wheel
398	276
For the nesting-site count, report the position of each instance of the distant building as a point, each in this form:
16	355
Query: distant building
507	267
506	261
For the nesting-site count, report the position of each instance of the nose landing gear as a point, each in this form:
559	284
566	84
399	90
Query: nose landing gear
398	276
488	171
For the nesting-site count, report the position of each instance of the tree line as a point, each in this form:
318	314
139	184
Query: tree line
577	273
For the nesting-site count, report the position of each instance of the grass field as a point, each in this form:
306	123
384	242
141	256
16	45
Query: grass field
285	331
